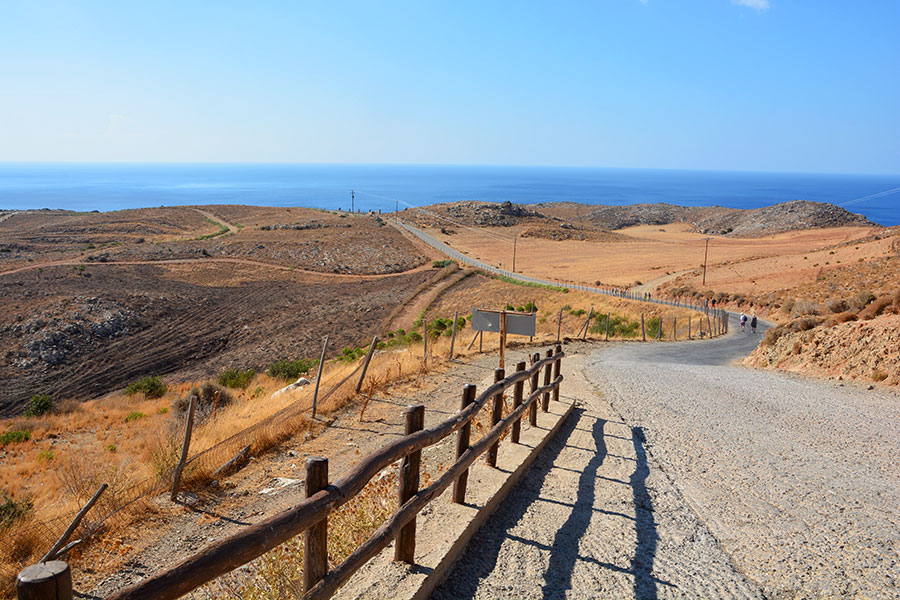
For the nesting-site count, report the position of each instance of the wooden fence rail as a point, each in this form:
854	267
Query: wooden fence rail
312	514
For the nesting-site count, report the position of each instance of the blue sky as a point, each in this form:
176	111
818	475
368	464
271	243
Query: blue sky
697	84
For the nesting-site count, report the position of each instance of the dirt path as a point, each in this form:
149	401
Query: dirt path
410	311
179	261
5	216
222	223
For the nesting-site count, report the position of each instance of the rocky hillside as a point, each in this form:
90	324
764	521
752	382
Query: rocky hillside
572	221
716	220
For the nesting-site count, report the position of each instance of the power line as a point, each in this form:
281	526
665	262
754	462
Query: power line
871	196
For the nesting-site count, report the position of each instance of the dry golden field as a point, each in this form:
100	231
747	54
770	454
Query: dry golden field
654	252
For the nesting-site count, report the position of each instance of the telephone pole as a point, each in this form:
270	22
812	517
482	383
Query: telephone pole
352	198
705	257
515	239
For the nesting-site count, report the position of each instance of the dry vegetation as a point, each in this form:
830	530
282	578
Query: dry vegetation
132	442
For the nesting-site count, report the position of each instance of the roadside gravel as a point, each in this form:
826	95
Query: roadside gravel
595	518
797	479
683	476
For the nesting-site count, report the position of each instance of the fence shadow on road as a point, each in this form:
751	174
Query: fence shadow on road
564	550
645	524
481	557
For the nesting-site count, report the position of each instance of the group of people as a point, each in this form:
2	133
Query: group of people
752	323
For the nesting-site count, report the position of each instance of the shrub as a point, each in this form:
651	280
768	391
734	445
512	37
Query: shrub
862	299
134	416
291	369
577	313
151	386
45	455
350	354
15	436
39	404
653	326
837	306
11	511
235	378
772	335
440	264
879	375
805	307
208	395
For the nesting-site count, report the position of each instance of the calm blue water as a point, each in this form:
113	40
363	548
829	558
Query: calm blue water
111	187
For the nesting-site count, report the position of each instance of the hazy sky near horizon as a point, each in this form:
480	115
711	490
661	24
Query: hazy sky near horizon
773	85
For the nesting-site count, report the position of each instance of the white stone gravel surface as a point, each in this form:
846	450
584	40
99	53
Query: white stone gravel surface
700	480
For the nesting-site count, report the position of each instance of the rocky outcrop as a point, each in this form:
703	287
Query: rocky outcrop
717	220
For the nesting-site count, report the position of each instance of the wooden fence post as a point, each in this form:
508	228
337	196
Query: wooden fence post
557	367
366	364
319	377
643	330
405	548
689	326
548	372
55	550
185	446
532	410
425	343
708	325
559	325
496	415
607	326
660	330
675	328
50	580
587	324
462	444
453	334
315	546
517	402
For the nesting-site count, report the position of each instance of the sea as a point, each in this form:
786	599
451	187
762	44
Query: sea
116	186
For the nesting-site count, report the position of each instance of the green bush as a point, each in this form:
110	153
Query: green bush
151	386
134	416
440	264
237	379
291	369
14	436
350	354
39	404
11	511
653	328
619	326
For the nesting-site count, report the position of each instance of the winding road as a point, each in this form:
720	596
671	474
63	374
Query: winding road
683	475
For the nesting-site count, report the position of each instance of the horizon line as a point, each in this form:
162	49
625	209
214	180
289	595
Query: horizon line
448	165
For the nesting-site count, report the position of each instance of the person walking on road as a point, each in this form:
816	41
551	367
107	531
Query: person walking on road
743	321
753	324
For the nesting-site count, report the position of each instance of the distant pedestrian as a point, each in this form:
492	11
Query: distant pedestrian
743	321
753	324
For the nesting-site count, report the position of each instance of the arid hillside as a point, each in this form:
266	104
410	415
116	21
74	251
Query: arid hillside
714	220
99	299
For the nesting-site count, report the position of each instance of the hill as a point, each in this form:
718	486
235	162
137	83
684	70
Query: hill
715	220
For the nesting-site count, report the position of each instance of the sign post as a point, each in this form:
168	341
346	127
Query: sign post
504	323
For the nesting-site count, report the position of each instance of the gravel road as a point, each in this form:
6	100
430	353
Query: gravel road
683	476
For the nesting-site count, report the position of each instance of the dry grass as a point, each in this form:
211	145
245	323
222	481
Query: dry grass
651	254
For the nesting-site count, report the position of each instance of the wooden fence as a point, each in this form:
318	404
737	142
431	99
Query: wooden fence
310	517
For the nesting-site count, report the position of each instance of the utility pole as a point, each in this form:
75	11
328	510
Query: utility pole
396	206
352	198
515	239
705	257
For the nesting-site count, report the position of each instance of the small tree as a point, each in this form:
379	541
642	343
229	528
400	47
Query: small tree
38	405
